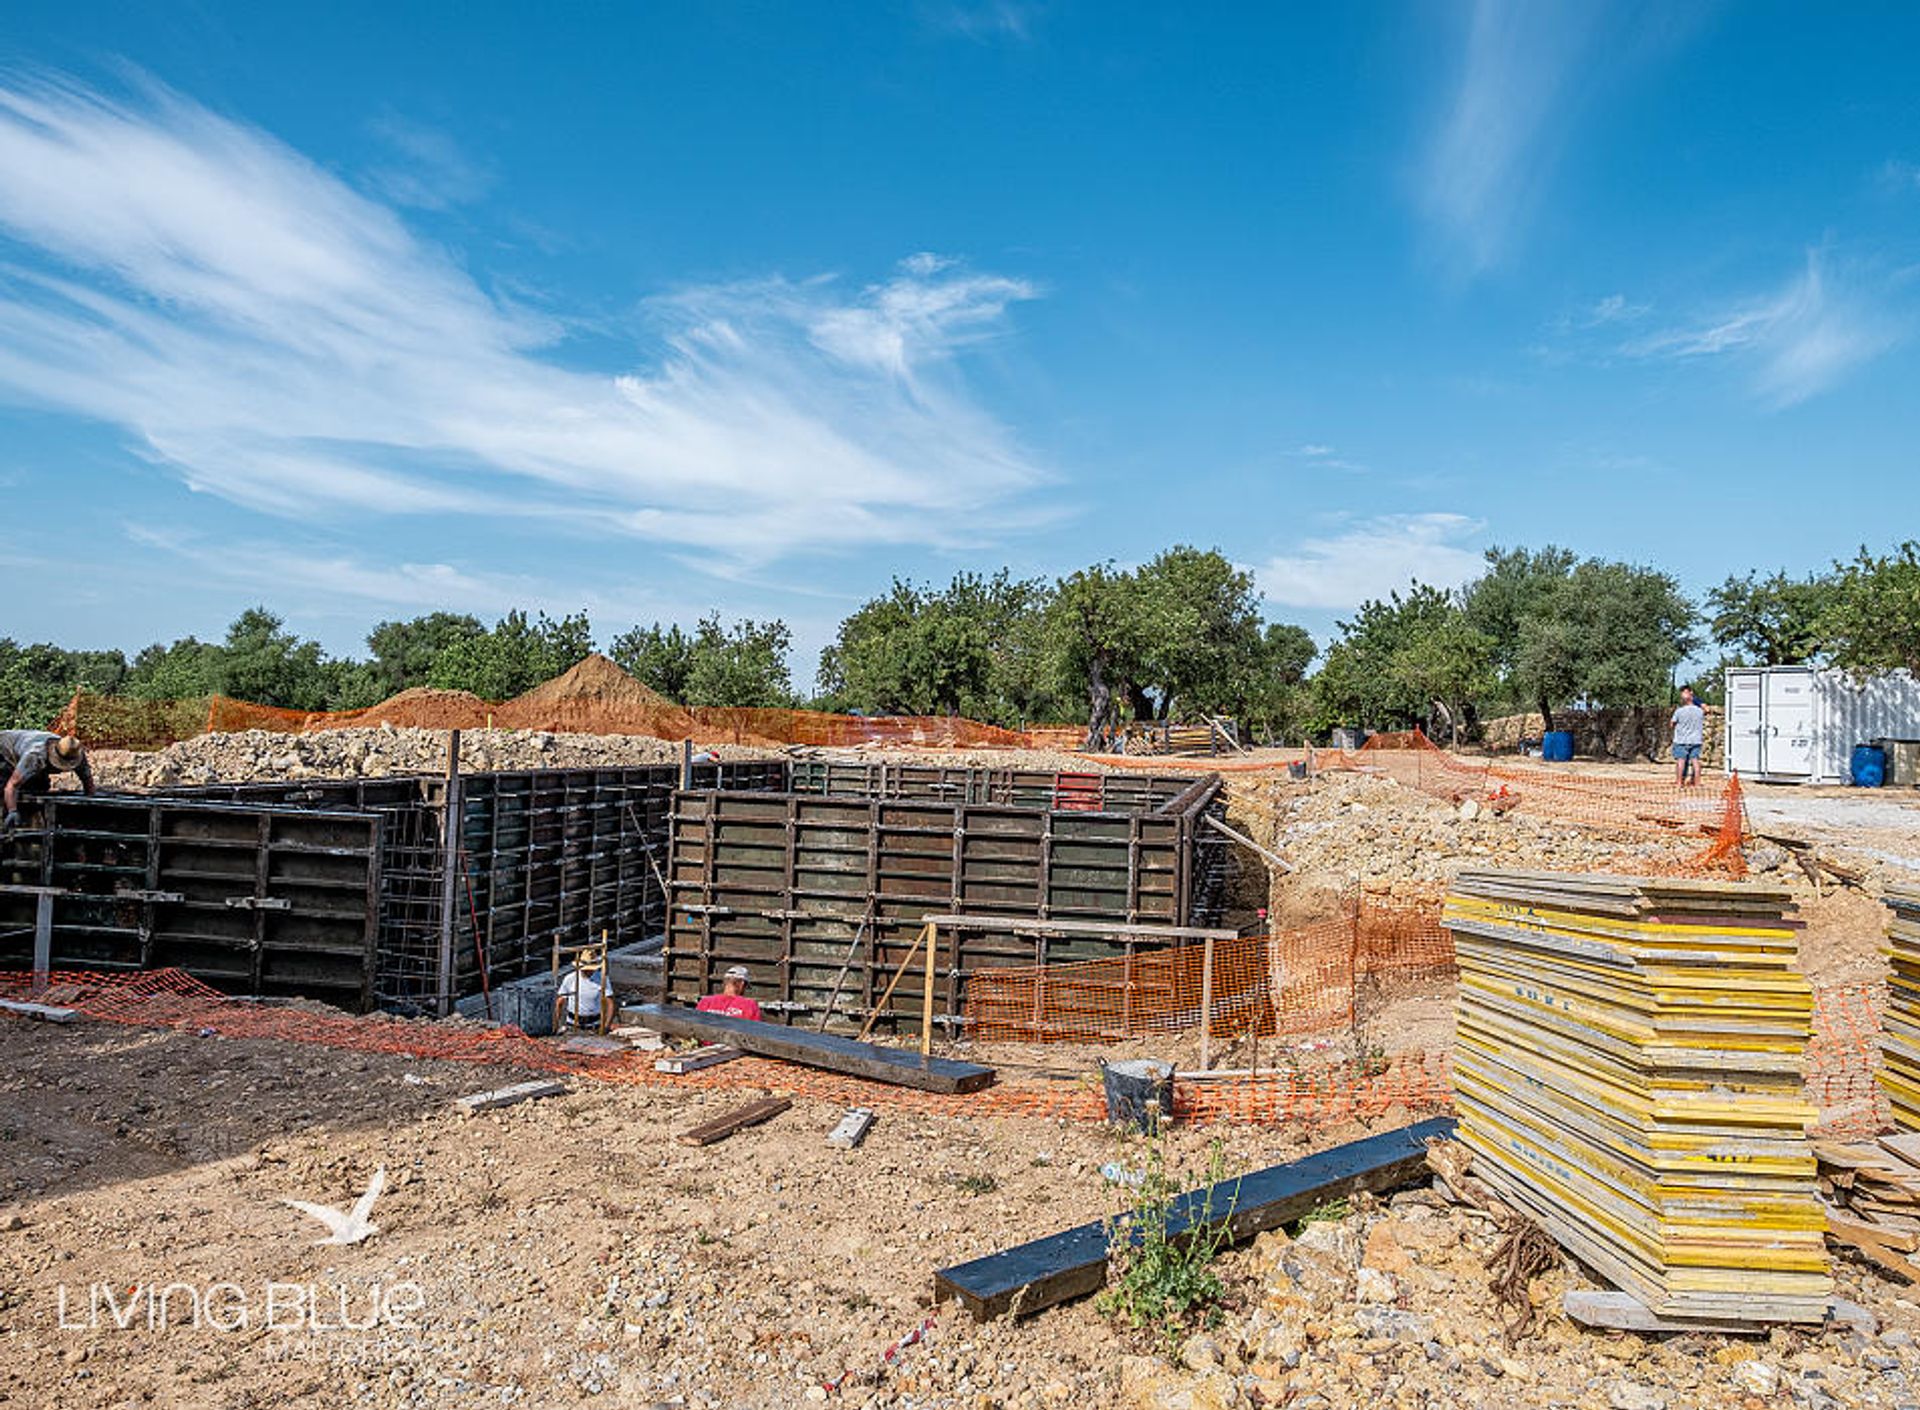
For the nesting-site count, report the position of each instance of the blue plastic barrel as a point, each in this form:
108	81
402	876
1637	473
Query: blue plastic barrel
1869	766
1556	746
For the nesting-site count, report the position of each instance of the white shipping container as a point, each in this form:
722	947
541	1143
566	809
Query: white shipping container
1789	724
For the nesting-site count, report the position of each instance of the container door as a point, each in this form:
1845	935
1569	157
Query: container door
1787	748
1745	722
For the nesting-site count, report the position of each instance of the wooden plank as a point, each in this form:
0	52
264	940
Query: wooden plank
1906	1147
722	1127
852	1129
823	1050
1618	1311
46	1013
1273	858
1867	1241
708	1055
1031	1276
592	1045
508	1096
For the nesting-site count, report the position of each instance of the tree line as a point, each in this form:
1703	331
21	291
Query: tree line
1181	636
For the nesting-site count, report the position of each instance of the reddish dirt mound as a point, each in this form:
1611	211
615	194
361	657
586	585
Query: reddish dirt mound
422	707
597	697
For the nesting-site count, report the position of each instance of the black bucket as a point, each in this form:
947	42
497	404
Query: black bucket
1297	769
1139	1092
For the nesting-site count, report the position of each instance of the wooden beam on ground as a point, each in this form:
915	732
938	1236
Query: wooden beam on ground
1615	1311
508	1096
722	1127
707	1055
46	1013
829	1051
1073	1263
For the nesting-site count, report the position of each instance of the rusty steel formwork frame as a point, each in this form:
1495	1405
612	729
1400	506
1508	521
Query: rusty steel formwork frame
821	891
263	901
252	888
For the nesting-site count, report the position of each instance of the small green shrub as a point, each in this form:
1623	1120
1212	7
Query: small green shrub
1332	1211
1162	1281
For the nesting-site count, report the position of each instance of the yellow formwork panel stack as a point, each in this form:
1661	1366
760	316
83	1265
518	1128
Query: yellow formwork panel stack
1628	1070
1900	1024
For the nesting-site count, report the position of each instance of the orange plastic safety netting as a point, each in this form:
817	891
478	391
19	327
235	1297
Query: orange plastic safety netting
1839	1076
170	999
1712	814
1708	815
111	722
1293	983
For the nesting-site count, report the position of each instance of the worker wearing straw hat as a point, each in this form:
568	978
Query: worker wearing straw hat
30	759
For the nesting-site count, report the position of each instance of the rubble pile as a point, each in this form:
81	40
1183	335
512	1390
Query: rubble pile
269	756
1393	1307
1347	825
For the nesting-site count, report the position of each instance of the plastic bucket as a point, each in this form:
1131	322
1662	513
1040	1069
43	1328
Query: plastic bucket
1139	1092
1556	746
1868	766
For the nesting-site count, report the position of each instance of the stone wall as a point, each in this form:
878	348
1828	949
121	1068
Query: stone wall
1641	732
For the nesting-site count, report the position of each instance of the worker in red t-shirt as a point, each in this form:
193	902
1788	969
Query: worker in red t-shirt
732	999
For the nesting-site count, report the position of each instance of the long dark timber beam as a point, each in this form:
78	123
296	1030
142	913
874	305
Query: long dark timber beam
830	1051
1073	1263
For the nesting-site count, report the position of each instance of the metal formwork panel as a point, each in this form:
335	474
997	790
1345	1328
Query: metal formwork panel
540	855
251	898
1024	788
800	886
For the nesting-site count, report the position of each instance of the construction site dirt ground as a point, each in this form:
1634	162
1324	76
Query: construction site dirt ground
570	1251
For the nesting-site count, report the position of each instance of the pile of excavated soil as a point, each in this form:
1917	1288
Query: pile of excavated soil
597	697
250	756
423	707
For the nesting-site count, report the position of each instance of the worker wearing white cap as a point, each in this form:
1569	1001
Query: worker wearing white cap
732	999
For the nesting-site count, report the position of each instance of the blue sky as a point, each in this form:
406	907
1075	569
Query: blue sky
366	310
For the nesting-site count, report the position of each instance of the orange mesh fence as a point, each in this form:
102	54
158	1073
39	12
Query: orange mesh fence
115	722
170	999
1654	807
1840	1062
111	722
1291	983
1842	1058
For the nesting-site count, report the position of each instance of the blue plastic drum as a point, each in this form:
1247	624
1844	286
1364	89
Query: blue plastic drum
1869	766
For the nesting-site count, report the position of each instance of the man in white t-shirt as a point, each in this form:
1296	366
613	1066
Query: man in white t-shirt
585	998
1689	738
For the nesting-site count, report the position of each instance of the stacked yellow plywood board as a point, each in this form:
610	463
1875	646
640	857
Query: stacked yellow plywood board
1628	1071
1900	1024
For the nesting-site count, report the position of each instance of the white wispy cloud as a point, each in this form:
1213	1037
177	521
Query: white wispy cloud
1900	176
1501	123
1328	458
430	169
277	338
318	582
1524	72
1369	558
1614	308
981	19
1795	341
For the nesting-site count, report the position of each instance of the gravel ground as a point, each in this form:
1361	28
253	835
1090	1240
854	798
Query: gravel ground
570	1252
